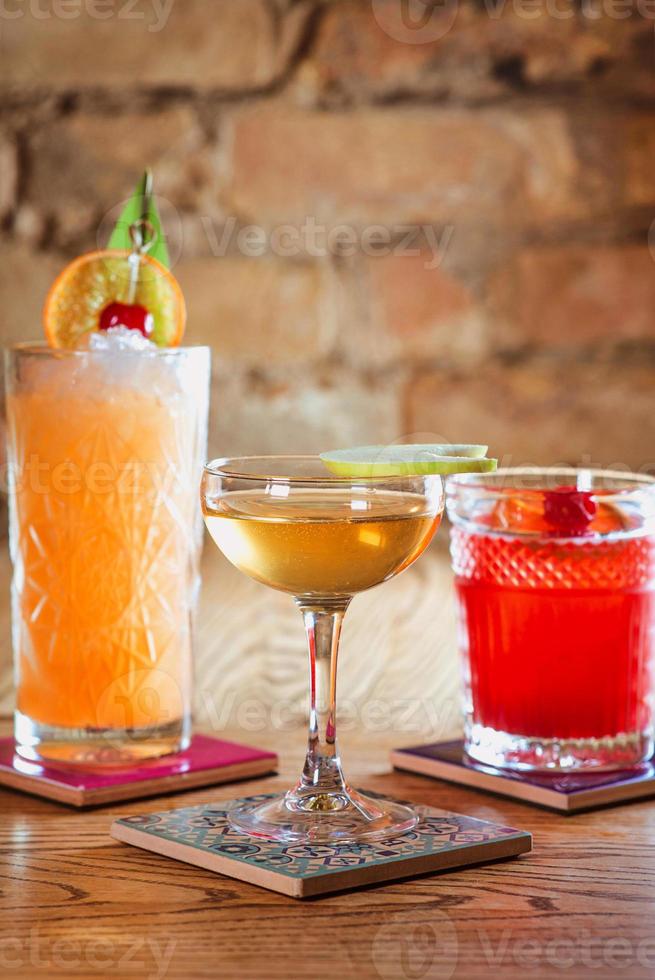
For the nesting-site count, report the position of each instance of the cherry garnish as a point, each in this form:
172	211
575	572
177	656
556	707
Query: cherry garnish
569	511
129	315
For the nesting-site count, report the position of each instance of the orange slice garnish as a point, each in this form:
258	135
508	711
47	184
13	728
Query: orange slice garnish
88	285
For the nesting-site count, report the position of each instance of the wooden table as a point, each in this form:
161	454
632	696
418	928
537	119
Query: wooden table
74	903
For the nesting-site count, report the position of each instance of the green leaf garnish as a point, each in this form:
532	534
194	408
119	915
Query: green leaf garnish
141	207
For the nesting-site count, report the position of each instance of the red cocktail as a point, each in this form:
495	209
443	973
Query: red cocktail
555	578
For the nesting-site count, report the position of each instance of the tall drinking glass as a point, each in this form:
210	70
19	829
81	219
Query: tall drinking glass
288	523
105	450
555	577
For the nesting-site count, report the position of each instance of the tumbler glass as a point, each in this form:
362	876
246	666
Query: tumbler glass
105	451
555	581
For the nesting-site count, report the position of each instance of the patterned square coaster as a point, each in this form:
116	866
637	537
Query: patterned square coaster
201	835
207	762
567	792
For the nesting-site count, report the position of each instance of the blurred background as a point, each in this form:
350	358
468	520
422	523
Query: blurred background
392	220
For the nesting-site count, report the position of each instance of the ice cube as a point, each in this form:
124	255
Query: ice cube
120	339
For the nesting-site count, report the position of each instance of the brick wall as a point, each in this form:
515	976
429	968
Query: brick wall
435	224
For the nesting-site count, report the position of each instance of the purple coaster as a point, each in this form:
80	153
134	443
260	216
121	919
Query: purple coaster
567	792
207	762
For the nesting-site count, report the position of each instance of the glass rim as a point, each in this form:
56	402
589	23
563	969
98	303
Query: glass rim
221	466
469	501
40	348
627	481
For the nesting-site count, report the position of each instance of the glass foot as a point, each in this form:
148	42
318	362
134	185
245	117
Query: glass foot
322	818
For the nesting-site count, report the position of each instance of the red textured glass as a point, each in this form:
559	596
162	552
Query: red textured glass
555	574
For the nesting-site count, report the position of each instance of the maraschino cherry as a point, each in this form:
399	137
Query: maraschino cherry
569	511
129	315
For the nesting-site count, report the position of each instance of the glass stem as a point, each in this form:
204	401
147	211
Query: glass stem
322	784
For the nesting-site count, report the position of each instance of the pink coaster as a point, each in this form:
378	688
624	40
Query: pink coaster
207	762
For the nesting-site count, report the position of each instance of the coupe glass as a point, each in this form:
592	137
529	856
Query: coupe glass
287	522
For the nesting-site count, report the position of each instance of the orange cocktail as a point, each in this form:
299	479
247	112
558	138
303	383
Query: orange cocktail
104	453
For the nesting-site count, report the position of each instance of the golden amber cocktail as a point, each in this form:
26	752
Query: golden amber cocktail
104	452
288	522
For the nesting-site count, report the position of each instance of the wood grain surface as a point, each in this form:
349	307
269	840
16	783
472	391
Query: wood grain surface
75	903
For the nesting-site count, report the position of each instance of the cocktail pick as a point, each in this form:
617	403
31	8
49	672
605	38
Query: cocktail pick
139	226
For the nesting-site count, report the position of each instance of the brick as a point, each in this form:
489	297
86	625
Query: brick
544	411
575	295
398	165
359	52
637	143
404	308
8	176
25	277
364	51
83	166
234	45
615	56
288	411
29	226
256	311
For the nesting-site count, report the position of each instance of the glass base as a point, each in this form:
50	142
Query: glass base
324	818
504	751
97	747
